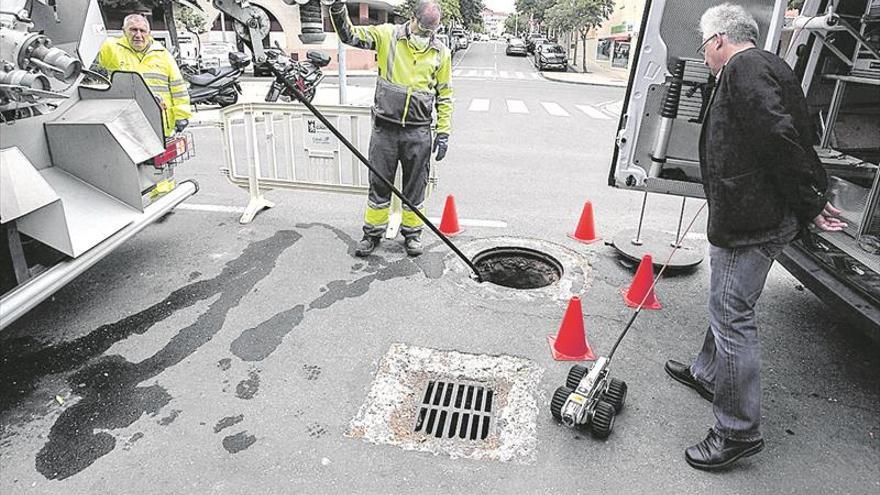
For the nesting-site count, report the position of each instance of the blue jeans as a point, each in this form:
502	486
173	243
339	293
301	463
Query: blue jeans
729	363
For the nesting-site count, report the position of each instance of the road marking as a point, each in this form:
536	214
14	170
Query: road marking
479	105
472	73
592	112
520	75
457	72
614	108
488	73
211	208
554	109
503	73
535	75
517	106
464	222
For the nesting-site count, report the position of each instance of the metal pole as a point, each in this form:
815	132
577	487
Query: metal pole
223	25
677	243
638	240
343	97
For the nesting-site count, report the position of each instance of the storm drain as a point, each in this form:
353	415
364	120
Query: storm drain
518	267
455	410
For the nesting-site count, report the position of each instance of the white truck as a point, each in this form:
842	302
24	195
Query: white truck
834	47
79	163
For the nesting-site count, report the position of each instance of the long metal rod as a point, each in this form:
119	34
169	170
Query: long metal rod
26	297
317	113
651	288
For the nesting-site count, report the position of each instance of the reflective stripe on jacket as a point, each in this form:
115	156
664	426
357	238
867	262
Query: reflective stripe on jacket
159	70
411	83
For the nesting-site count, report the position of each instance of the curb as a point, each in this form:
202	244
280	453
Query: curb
609	84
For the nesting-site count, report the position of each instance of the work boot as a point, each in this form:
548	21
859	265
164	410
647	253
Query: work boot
366	246
413	246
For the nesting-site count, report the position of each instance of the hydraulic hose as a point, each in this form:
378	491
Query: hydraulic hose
302	99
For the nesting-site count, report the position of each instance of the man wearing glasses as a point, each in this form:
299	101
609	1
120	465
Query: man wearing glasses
764	183
414	78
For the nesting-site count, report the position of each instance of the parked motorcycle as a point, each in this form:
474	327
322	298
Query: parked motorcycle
305	75
217	85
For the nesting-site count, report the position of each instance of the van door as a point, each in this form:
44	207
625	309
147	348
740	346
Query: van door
656	149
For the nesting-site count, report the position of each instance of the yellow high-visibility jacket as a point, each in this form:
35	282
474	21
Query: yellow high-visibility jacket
410	82
159	70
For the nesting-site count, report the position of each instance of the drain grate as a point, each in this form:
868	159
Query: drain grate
455	410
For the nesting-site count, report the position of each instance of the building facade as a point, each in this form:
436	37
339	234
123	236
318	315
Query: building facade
493	22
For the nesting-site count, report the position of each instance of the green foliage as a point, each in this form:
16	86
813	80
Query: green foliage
130	5
578	15
451	10
190	19
795	4
472	13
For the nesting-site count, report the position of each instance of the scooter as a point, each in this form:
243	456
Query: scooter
218	85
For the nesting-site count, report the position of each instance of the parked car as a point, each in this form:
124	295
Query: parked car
533	40
461	40
516	46
550	56
446	41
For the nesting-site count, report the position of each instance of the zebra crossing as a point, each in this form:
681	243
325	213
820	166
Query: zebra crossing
600	111
493	74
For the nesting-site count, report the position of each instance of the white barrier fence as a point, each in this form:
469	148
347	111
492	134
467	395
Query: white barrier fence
283	146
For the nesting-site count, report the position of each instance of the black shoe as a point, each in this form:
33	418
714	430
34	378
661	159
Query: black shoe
682	373
413	246
715	453
367	245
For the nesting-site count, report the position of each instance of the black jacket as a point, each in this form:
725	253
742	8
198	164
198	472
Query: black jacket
757	159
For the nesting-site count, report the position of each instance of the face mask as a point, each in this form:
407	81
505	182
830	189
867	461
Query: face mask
419	43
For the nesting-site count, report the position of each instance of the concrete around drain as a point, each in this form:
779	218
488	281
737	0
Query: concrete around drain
388	415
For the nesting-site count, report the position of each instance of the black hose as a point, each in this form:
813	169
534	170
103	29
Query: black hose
302	99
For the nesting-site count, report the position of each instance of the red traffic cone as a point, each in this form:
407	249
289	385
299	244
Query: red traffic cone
570	343
449	221
641	286
586	231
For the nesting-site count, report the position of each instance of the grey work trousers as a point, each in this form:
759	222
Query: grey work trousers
729	363
389	144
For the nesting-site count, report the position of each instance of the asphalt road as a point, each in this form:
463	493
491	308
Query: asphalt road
206	356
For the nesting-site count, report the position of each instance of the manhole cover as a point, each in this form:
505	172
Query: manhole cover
455	410
518	267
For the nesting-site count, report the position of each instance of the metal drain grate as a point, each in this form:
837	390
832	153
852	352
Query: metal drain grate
455	410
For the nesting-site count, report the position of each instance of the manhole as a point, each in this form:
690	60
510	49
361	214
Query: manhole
455	410
518	267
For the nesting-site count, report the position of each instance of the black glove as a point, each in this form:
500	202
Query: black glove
180	125
441	143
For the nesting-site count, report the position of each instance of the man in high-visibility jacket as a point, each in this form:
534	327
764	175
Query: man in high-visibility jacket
415	69
138	52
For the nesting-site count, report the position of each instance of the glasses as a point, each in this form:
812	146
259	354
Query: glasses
702	49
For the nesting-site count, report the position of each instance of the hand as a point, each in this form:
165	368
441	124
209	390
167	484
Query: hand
180	125
441	144
827	221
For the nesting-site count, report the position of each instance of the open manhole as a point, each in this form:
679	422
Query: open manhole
518	267
455	410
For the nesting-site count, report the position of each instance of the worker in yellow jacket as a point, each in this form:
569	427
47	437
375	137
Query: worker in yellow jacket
138	52
415	69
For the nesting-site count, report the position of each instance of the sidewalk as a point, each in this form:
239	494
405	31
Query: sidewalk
598	76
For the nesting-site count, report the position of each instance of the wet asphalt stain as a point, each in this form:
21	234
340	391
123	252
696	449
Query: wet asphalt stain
255	344
167	420
238	442
224	364
131	441
194	275
111	396
227	422
339	290
247	389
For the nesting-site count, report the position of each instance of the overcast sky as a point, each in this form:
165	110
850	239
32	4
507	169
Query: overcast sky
500	5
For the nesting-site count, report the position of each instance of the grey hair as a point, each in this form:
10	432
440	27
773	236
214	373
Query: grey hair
132	17
738	25
424	10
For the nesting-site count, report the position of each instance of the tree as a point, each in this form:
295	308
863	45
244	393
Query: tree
451	10
472	13
533	10
580	16
190	19
512	24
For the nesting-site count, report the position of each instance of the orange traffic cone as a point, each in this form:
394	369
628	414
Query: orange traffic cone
586	231
570	343
449	221
641	286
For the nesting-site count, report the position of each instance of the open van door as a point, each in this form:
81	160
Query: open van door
834	47
656	149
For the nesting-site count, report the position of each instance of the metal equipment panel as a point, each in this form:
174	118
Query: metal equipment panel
22	188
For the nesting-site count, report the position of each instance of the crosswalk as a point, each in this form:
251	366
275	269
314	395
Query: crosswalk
601	111
493	74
